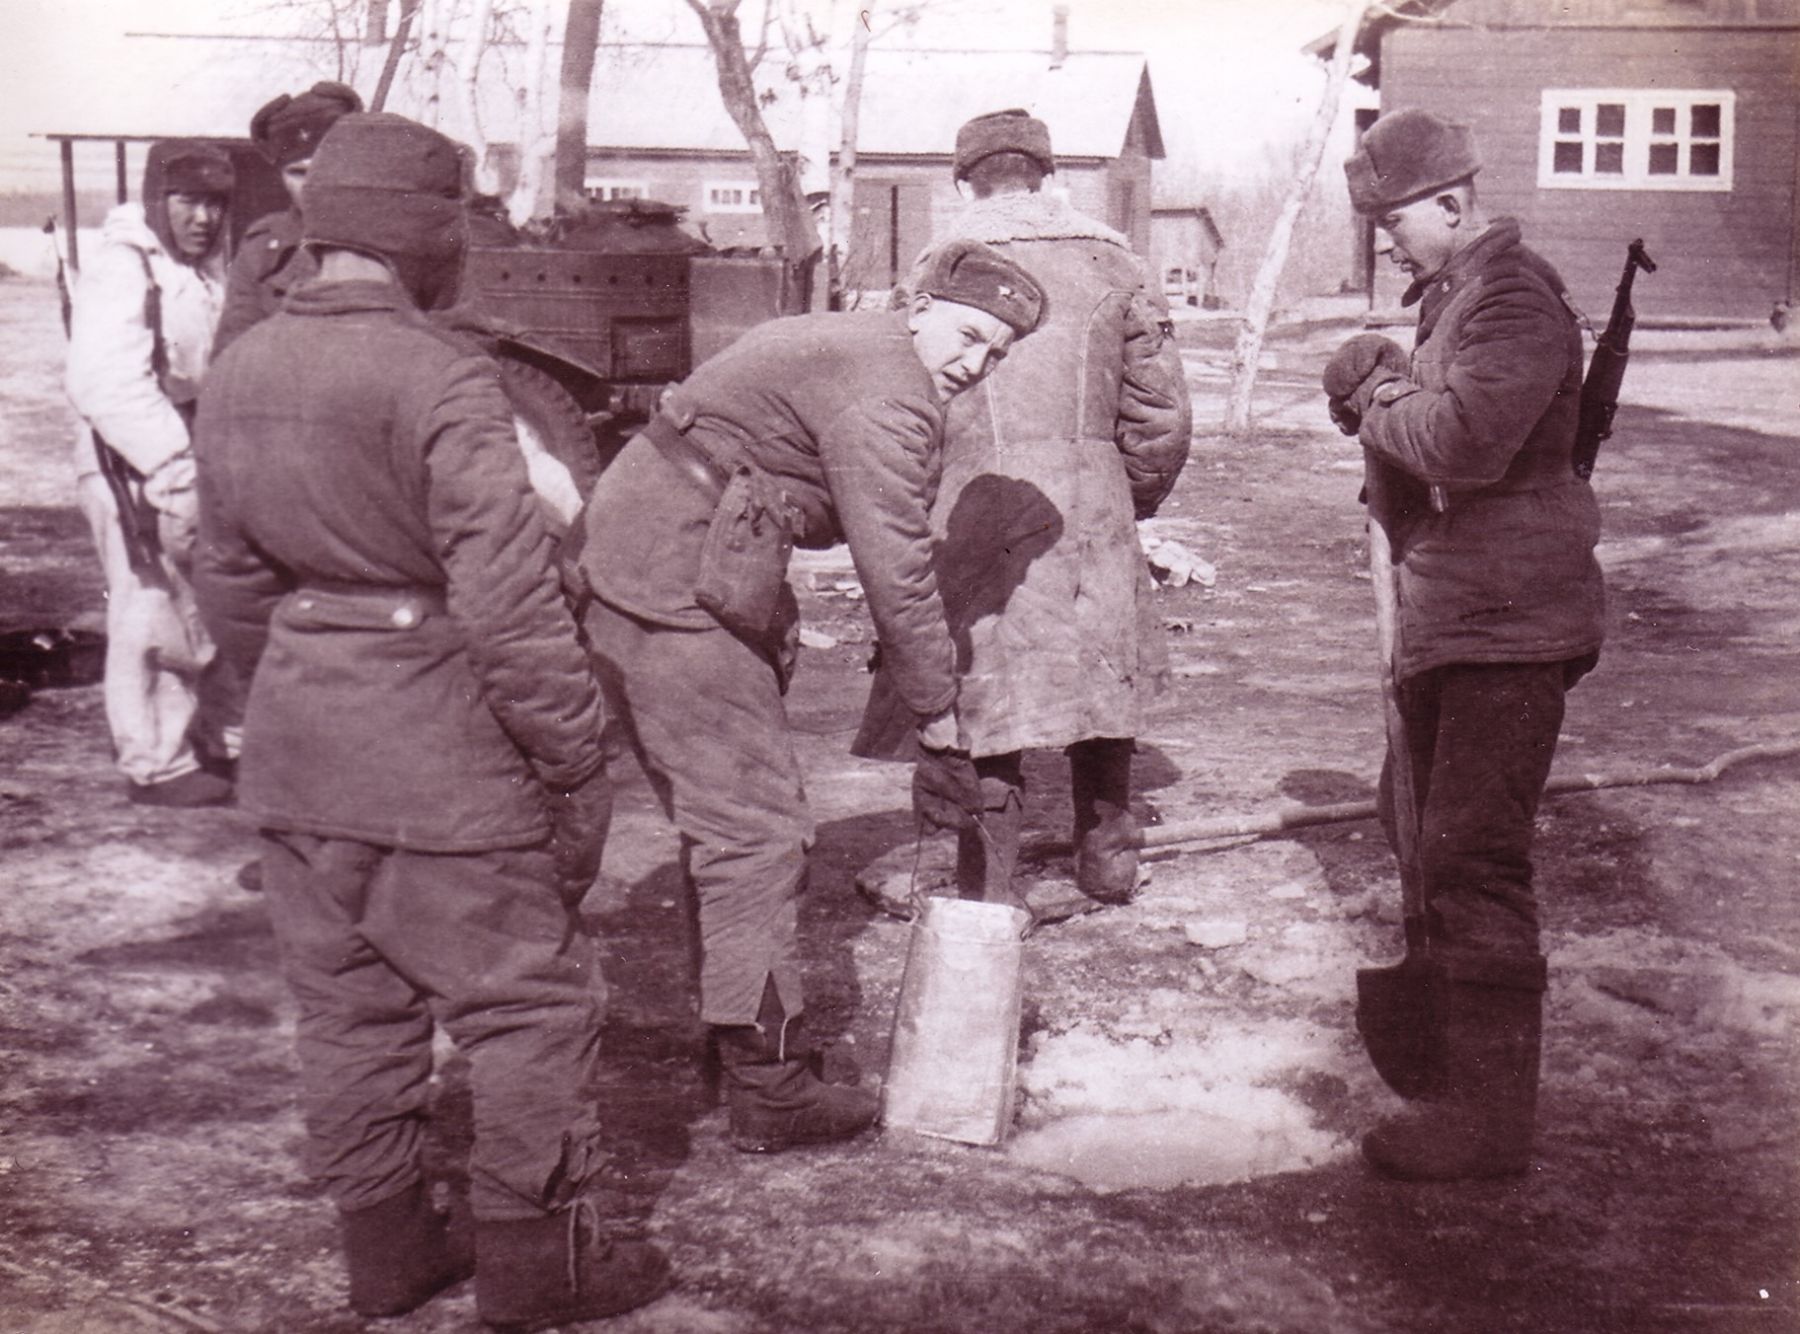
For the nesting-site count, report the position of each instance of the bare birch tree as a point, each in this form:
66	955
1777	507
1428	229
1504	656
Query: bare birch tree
468	90
784	206
832	86
537	141
840	210
434	57
1254	324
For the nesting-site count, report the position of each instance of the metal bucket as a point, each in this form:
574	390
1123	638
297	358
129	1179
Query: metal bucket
956	1027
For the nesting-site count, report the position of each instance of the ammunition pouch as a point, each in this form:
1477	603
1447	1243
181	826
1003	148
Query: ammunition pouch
742	582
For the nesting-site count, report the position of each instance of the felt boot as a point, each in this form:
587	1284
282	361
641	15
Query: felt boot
1106	830
987	856
1480	1124
773	1088
559	1269
400	1253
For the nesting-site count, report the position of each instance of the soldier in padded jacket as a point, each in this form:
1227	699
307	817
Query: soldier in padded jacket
422	749
1468	445
813	429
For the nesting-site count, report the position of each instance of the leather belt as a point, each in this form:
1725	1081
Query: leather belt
403	606
684	455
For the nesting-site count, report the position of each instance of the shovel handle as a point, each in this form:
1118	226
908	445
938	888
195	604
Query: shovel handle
1386	583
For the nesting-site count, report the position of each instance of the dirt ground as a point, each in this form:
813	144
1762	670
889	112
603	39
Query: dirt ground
1183	1156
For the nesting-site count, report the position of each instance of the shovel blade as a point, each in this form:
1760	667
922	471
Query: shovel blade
1399	1014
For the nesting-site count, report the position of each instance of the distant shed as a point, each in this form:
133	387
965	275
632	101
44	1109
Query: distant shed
1603	120
1185	243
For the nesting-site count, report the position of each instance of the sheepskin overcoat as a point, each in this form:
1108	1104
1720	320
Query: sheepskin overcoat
1047	464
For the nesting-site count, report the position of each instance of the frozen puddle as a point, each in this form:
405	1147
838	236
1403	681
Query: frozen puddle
1172	1108
1158	1150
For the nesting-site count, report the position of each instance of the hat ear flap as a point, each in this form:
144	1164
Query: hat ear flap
259	123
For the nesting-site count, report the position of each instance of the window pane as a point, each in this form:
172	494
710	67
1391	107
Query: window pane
1609	159
1704	120
1609	119
1665	159
1567	159
1703	160
1662	120
1568	120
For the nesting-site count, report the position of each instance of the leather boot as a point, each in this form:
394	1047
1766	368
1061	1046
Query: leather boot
987	857
773	1088
400	1253
1481	1123
1106	830
559	1269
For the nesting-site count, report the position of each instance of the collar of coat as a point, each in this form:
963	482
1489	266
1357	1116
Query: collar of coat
346	298
1501	234
1029	217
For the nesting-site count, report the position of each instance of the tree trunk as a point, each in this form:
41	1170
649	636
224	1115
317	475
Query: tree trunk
535	145
434	56
843	179
581	40
395	48
784	208
468	75
1262	293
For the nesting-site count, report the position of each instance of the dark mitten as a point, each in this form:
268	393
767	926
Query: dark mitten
1355	371
946	789
579	818
1357	359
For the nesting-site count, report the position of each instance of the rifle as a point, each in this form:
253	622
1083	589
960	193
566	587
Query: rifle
137	520
1600	389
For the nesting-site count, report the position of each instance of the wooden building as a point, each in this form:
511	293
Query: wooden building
686	151
1185	244
658	128
1598	121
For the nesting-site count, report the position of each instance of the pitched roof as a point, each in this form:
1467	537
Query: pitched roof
1375	23
650	97
913	100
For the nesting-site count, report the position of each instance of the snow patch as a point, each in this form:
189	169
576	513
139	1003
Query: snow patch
1256	1133
1172	1100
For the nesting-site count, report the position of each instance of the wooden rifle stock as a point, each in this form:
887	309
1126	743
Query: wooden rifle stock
1606	371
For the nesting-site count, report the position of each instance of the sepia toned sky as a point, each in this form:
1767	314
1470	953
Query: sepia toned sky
1229	78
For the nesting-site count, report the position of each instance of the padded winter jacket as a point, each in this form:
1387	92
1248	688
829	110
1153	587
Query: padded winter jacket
269	264
1504	570
110	379
371	548
1083	428
839	413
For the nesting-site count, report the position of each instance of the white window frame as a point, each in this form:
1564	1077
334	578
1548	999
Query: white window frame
605	189
750	193
1638	136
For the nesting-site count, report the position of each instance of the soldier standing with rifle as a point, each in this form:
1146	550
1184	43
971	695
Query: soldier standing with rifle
1469	448
139	343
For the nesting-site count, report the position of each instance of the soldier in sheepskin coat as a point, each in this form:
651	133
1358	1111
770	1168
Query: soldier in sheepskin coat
1083	430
